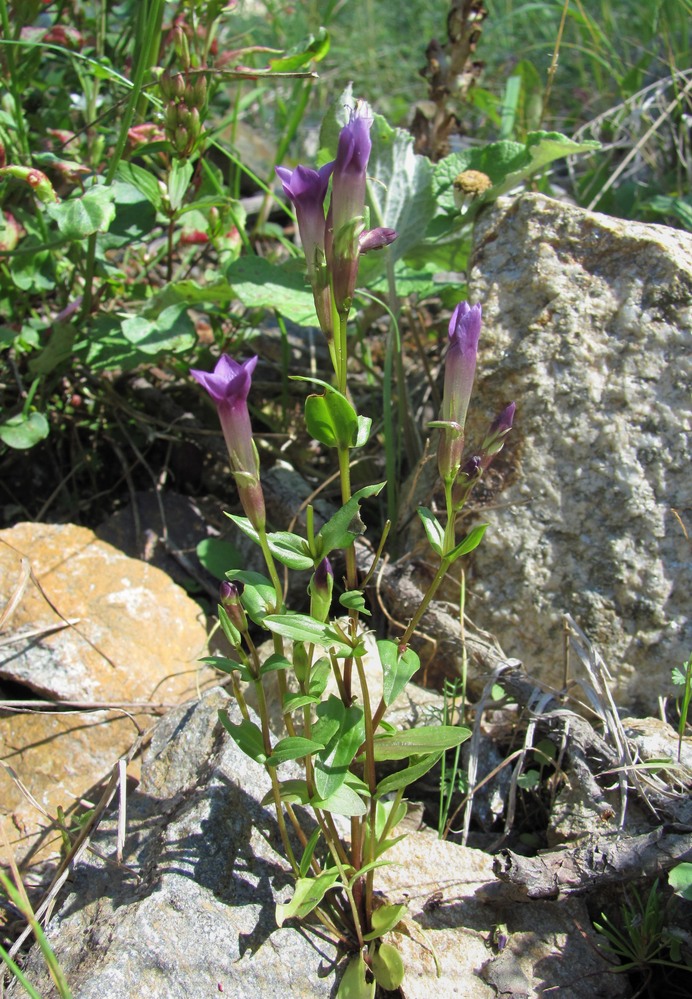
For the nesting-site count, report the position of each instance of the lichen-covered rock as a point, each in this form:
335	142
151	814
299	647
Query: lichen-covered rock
587	325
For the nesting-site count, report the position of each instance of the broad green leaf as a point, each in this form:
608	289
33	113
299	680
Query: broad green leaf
246	735
344	801
387	967
344	729
86	215
331	419
397	669
298	627
144	181
402	778
385	919
292	702
353	984
419	741
260	284
258	596
171	331
471	541
135	217
23	431
308	894
33	272
57	350
680	880
275	662
319	676
292	748
290	550
218	556
345	526
295	792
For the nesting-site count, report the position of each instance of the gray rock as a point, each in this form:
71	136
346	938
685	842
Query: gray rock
191	915
586	325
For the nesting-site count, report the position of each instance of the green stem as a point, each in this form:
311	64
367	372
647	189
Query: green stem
15	88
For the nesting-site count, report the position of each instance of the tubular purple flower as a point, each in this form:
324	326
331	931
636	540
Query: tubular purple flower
460	368
346	218
229	386
376	239
307	190
320	589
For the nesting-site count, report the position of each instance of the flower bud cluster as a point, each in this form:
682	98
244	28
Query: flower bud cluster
185	110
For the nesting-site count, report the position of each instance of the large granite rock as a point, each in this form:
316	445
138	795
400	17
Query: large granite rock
587	324
191	914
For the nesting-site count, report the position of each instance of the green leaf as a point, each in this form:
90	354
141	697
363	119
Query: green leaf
228	666
397	669
345	525
274	663
172	330
680	880
402	778
260	284
247	736
363	433
58	350
299	628
309	850
292	748
135	217
144	181
295	792
218	556
353	984
433	528
290	549
385	919
331	419
387	967
342	731
178	182
308	894
471	541
83	216
344	801
319	676
24	431
33	272
292	702
419	741
258	596
314	49
354	600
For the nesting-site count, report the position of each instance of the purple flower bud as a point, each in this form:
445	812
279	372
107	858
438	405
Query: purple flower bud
320	589
376	239
229	594
460	368
229	385
499	429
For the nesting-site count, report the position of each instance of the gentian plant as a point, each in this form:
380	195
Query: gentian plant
339	737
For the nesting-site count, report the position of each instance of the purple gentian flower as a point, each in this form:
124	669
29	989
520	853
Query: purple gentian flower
307	189
499	428
229	385
460	368
320	589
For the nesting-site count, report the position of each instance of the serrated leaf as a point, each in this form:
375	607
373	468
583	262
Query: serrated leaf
308	894
397	668
433	529
419	741
387	967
